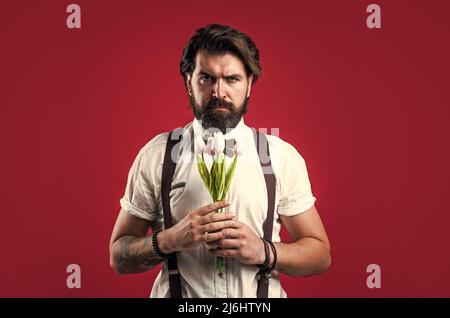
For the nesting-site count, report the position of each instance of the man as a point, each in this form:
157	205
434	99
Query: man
219	66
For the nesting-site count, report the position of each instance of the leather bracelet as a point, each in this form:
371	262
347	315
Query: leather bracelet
274	250
156	246
265	265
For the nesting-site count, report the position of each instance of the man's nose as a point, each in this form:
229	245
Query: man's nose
219	89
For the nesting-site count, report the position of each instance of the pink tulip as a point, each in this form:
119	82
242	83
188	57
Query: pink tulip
238	148
209	149
199	145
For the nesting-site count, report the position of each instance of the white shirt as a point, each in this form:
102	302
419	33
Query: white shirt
247	197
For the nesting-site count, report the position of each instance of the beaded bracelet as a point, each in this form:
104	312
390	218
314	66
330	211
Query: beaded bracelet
156	246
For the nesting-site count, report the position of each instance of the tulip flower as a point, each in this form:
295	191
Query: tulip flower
199	145
209	149
217	179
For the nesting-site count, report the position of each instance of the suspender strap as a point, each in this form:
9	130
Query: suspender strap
166	181
266	165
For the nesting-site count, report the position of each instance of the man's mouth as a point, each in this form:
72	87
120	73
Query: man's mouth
222	108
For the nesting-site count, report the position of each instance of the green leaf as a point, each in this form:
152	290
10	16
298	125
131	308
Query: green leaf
219	264
222	181
206	173
212	181
218	179
229	176
222	175
202	171
210	186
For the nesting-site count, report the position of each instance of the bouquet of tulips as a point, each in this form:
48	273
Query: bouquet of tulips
217	178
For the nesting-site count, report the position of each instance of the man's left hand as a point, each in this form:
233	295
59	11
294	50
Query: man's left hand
240	243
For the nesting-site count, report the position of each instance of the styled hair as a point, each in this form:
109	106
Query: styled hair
220	39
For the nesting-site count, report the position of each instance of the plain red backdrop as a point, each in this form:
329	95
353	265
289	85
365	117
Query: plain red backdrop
367	109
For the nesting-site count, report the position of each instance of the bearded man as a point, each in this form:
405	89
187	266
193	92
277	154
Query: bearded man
219	66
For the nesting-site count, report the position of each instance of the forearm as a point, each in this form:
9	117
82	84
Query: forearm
307	256
133	254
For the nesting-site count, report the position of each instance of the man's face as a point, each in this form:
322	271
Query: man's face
219	90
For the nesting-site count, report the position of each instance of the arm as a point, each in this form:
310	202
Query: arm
309	253
130	248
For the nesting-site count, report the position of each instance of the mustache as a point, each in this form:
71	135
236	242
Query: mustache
213	103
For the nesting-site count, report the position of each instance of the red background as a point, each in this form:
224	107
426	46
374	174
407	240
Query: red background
367	109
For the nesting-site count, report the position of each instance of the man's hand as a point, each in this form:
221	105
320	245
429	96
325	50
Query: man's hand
239	242
195	228
308	254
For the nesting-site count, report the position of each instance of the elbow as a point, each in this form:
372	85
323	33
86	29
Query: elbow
114	262
321	265
326	263
326	258
115	265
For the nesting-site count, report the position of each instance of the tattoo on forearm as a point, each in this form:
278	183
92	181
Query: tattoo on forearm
134	254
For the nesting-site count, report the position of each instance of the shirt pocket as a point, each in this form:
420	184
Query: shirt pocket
177	189
177	185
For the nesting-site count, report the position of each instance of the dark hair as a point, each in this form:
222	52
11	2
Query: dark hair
216	38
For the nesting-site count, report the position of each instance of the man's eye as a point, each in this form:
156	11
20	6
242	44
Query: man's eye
205	78
232	79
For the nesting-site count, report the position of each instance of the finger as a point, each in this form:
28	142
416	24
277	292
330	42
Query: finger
204	210
208	237
230	233
216	217
227	233
229	243
217	226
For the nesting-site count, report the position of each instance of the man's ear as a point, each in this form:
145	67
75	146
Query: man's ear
187	81
250	82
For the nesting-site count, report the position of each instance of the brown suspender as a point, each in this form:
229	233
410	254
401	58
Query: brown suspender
167	174
263	276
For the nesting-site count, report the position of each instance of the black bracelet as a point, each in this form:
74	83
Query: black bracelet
274	250
265	265
156	246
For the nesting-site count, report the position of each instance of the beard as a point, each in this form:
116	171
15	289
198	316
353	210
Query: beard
213	119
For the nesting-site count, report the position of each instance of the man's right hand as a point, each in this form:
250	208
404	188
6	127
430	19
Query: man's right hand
202	225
